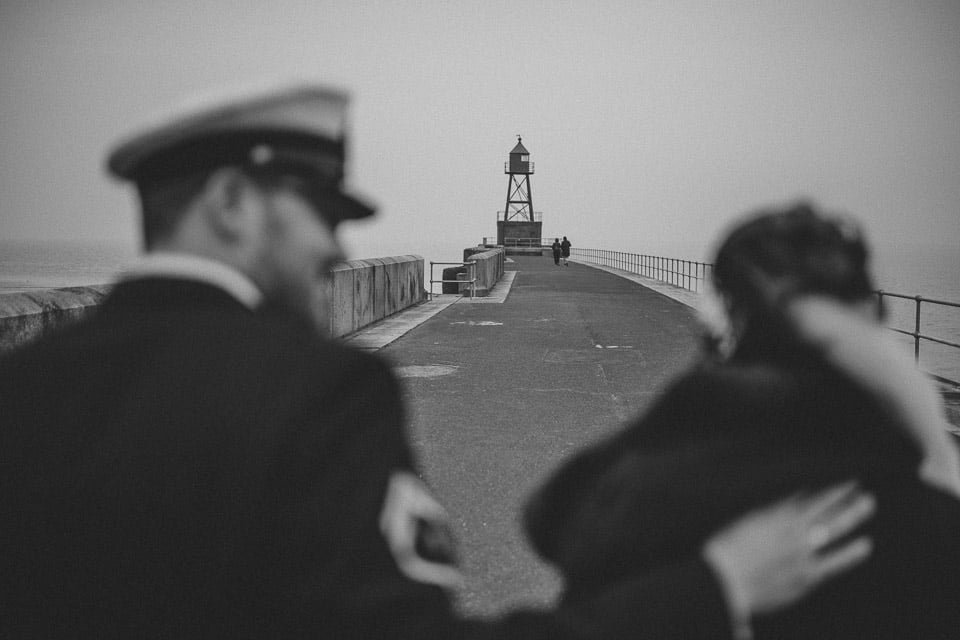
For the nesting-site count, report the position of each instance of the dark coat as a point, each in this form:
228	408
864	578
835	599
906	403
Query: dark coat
730	437
565	248
179	466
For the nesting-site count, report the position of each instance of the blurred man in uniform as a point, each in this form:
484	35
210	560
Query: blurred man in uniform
197	460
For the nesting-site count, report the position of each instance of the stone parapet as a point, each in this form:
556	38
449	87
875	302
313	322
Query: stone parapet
366	291
27	315
488	269
360	292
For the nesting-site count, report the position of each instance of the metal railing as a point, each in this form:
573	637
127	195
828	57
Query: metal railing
537	216
916	333
686	274
471	277
530	167
537	243
692	275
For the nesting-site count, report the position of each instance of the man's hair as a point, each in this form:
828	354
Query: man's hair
164	204
799	249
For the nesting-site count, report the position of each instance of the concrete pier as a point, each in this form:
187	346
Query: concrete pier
499	393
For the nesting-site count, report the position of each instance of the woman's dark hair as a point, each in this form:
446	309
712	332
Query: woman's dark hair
797	249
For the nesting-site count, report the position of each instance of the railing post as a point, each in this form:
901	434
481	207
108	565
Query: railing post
916	334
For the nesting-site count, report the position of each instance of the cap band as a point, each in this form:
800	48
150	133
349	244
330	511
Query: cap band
206	153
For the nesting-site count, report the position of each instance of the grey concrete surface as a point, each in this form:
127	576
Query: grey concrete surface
28	315
499	394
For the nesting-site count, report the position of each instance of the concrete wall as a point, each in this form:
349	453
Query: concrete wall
488	270
28	315
361	292
365	291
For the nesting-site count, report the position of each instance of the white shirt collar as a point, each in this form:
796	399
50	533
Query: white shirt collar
193	267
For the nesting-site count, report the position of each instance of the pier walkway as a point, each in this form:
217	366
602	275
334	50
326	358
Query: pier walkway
499	390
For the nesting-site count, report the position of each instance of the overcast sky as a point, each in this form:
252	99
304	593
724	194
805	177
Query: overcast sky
652	124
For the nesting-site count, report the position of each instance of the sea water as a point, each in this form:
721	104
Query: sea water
30	265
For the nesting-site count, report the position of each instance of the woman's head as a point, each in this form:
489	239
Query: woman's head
776	254
796	249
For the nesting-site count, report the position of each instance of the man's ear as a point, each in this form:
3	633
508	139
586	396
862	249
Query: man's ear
230	204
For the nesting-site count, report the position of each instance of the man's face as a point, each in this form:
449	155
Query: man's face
298	252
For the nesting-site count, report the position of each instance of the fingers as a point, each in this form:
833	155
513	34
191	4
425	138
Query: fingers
852	515
839	560
775	555
836	512
832	515
828	500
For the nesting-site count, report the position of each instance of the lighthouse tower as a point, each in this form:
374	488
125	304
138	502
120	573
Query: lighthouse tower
518	224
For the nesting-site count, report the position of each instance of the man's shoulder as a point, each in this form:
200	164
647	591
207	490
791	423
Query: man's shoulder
742	384
292	337
254	343
292	352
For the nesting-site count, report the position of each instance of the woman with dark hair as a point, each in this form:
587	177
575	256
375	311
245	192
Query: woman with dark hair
798	390
555	247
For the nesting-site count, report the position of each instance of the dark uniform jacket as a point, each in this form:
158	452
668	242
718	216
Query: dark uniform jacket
179	466
727	438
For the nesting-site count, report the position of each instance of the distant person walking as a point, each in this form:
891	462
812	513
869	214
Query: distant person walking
557	250
565	251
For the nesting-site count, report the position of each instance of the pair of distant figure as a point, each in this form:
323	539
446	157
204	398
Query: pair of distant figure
561	251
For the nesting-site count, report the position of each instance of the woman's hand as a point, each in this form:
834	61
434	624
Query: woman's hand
772	557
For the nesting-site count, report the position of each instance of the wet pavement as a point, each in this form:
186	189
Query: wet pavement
500	390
